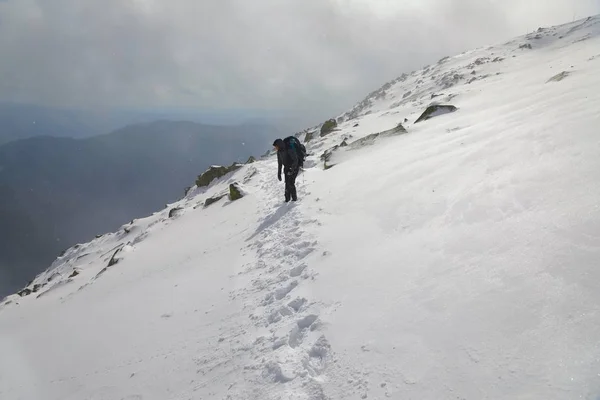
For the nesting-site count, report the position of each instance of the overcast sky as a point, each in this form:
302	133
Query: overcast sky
318	57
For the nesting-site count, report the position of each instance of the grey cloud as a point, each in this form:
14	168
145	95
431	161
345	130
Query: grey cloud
314	56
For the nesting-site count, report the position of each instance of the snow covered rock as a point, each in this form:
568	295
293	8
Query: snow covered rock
174	212
434	111
559	77
213	199
370	139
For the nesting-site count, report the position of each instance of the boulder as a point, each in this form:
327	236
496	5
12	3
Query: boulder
174	212
251	160
74	274
24	292
235	192
215	172
212	200
436	110
328	127
526	46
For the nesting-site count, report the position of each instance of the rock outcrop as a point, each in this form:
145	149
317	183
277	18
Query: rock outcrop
328	127
215	172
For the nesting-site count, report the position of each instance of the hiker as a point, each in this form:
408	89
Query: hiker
287	156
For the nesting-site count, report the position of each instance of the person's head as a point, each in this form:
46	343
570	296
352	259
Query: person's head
278	144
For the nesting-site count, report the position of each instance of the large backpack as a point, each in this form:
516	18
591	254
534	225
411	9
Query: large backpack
293	143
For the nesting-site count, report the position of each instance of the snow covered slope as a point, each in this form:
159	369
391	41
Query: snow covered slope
459	260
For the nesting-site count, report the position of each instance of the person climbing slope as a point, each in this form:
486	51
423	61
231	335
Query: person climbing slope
290	155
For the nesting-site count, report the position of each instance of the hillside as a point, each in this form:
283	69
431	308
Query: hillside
56	192
456	260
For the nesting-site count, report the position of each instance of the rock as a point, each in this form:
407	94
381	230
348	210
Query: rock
328	127
436	110
526	46
370	139
267	154
559	77
174	212
355	125
251	160
74	274
37	287
24	292
309	136
213	199
215	172
344	143
186	190
114	260
235	192
405	95
326	157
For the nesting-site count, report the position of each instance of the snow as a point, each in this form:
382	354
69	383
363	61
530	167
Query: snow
458	260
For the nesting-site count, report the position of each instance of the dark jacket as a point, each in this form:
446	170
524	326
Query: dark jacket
286	157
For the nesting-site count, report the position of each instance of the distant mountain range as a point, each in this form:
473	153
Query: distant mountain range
22	121
55	192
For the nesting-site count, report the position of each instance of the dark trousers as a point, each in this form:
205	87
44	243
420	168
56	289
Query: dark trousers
290	185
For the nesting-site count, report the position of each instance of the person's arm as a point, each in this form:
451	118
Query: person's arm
279	164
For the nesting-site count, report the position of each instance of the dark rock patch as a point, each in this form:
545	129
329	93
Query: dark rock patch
436	110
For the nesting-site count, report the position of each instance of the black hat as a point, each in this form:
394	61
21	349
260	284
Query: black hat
278	143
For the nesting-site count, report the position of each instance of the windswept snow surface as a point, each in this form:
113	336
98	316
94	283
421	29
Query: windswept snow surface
460	260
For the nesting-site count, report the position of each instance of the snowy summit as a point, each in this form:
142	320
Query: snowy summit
453	258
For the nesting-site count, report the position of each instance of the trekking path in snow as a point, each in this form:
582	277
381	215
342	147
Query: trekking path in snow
292	349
